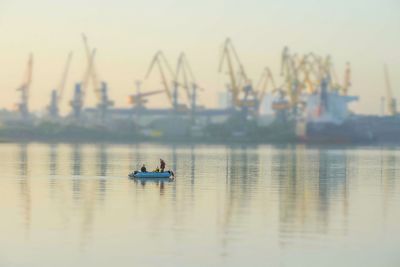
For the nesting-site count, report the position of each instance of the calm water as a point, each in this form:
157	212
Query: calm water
73	205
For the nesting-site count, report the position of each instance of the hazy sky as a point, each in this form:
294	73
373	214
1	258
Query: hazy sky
128	33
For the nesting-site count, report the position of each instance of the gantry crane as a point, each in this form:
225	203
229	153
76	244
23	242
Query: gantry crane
291	86
185	78
266	80
57	94
100	88
244	97
23	107
80	88
347	79
391	101
165	69
139	99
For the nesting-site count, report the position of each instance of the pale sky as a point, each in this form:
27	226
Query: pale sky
128	33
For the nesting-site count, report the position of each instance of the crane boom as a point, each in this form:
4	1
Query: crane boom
87	74
24	89
265	79
391	102
347	79
159	59
184	68
234	84
93	74
64	77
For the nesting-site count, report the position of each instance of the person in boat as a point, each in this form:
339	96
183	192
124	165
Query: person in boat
157	169
162	165
143	169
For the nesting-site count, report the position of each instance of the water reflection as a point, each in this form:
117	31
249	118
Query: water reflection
76	170
102	163
24	188
298	194
310	186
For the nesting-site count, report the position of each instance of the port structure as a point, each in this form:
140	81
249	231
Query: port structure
309	90
100	88
139	99
185	78
57	94
244	98
77	102
168	80
24	88
307	74
391	101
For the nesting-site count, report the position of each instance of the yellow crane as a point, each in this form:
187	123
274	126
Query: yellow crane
266	80
23	107
236	74
63	81
347	79
160	60
391	102
289	71
56	94
184	72
244	97
93	73
80	89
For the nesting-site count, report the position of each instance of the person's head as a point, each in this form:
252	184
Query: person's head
143	165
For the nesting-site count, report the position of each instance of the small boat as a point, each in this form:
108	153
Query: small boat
152	175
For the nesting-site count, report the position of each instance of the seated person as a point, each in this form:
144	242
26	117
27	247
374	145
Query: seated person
143	169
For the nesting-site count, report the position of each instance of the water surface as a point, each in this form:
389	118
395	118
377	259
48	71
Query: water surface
73	205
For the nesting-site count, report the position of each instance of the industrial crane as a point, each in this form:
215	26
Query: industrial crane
100	88
165	69
23	107
184	72
139	100
244	97
265	81
289	71
57	94
347	79
79	94
391	101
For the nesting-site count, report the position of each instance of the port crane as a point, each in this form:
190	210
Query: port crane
185	78
77	102
266	81
244	97
139	99
100	88
290	73
23	107
347	79
57	94
165	69
391	101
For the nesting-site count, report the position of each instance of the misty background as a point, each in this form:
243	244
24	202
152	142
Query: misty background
128	33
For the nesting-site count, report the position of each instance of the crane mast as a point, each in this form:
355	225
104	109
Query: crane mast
244	97
184	71
100	88
391	102
23	106
161	62
77	102
347	79
57	94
